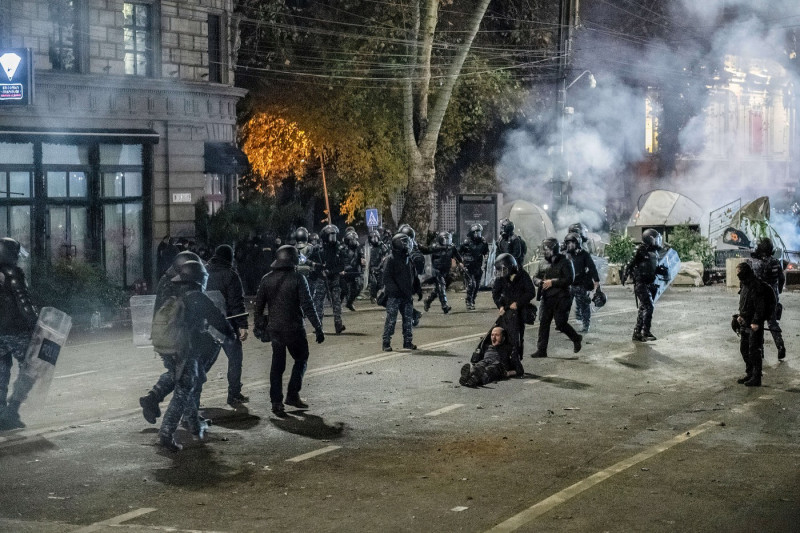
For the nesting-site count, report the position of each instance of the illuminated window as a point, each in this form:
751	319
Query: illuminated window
653	111
137	34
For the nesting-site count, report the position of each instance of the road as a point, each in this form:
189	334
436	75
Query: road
620	437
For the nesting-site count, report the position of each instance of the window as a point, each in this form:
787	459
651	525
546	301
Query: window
220	191
137	34
214	49
65	37
16	192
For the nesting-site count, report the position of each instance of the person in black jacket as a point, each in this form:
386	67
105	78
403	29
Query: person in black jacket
586	279
644	268
354	262
398	282
756	305
510	243
553	279
378	249
282	301
442	254
17	322
417	259
512	293
223	277
184	363
770	270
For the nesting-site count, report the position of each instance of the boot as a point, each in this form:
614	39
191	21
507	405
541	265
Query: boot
279	410
296	401
637	336
744	379
236	400
648	336
350	306
339	327
538	353
427	305
781	352
465	370
415	318
409	346
9	418
150	408
576	344
168	443
386	347
754	381
446	309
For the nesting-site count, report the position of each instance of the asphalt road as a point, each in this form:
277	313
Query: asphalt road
620	437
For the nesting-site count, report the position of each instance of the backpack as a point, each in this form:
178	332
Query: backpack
167	327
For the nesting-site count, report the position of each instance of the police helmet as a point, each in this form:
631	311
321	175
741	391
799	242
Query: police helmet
506	227
9	251
581	230
313	238
402	243
184	257
407	230
444	238
652	239
329	234
504	265
764	248
192	272
301	235
351	239
599	298
550	249
286	257
572	242
374	238
476	232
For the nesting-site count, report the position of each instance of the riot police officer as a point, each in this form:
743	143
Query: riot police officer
586	278
643	267
398	282
377	251
332	254
417	260
770	270
512	293
352	282
510	243
553	279
310	261
17	322
442	254
473	251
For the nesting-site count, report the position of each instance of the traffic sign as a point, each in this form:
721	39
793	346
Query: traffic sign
373	220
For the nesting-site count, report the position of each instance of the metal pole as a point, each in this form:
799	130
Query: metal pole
325	187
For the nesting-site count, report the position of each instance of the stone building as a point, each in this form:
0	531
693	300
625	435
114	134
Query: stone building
133	120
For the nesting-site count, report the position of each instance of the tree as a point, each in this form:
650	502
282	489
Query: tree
422	120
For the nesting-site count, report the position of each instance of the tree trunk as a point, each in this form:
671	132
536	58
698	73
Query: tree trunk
421	148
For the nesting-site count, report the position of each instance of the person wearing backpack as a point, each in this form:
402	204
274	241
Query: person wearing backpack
223	277
756	305
282	301
179	328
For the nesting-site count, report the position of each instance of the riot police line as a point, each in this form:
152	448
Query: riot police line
188	326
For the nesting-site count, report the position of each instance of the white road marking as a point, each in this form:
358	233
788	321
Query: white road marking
535	511
76	374
97	526
540	378
315	453
444	409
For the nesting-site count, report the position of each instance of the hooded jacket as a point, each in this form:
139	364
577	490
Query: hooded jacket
224	278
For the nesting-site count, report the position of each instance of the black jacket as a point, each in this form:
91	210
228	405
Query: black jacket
560	273
398	277
224	278
473	253
286	297
18	315
585	270
442	257
756	302
515	245
643	265
333	259
520	289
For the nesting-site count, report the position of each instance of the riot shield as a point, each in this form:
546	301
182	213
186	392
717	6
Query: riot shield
601	264
142	309
672	262
49	335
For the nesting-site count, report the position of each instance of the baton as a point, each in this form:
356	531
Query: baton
236	316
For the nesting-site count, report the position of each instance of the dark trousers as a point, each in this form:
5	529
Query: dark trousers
14	347
406	309
514	325
554	309
296	343
645	315
233	350
472	279
583	304
751	346
184	370
488	372
439	288
330	287
374	282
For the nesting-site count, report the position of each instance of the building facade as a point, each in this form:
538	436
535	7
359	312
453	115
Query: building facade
133	120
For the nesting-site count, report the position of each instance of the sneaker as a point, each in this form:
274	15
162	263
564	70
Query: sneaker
387	348
648	336
781	353
754	381
236	400
576	345
150	409
168	443
446	309
744	379
279	410
409	346
296	401
538	354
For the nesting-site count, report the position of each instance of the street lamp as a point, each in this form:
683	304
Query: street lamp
564	110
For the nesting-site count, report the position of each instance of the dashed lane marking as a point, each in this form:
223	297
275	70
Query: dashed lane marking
76	374
533	512
444	410
315	453
117	520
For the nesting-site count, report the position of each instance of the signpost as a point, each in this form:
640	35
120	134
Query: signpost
373	218
16	76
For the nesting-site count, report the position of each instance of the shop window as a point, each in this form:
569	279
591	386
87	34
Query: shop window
16	154
137	35
219	191
214	49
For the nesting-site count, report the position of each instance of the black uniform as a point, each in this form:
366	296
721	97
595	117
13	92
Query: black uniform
332	255
516	288
770	271
377	252
643	269
352	281
585	279
398	282
756	306
442	256
556	302
473	251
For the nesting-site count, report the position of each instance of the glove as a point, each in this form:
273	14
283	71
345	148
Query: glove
320	336
261	334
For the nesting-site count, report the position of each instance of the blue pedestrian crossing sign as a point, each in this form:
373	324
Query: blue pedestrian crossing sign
373	220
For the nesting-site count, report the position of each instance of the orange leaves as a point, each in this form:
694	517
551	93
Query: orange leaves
275	147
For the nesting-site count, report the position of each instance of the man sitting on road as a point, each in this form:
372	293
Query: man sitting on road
491	364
